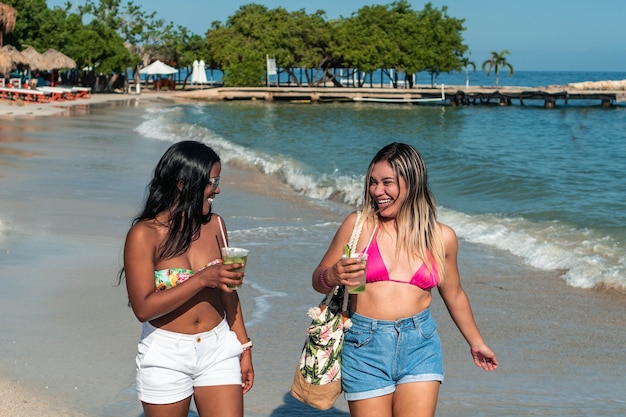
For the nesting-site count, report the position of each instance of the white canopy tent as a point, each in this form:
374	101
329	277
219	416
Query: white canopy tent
158	68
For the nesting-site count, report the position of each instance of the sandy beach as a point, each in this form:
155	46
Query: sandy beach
18	108
72	346
18	400
32	399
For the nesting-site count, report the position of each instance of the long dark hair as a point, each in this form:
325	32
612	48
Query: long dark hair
178	186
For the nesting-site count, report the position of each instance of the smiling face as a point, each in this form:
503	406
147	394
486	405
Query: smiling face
212	189
386	190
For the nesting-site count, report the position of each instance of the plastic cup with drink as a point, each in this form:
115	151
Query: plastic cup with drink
231	255
362	257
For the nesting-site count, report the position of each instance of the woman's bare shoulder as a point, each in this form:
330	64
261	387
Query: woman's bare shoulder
448	235
146	230
446	230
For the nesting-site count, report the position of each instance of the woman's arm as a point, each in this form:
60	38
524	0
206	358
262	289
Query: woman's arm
139	265
458	304
234	317
330	273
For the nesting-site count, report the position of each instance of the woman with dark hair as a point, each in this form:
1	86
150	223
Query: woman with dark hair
193	341
392	358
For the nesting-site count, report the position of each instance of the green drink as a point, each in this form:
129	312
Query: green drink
362	257
235	256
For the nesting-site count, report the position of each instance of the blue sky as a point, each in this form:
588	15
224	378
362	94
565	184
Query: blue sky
558	35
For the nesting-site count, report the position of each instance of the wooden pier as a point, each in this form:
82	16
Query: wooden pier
506	97
549	97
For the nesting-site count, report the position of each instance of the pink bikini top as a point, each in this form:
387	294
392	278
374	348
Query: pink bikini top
377	270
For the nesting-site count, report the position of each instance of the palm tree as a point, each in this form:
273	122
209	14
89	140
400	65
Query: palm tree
465	61
7	20
496	62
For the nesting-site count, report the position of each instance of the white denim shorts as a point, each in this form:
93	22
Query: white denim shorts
170	365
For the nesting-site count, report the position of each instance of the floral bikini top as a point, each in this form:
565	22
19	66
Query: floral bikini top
168	278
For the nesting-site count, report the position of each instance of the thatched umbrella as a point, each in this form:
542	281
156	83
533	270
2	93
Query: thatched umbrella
36	61
57	60
11	58
8	16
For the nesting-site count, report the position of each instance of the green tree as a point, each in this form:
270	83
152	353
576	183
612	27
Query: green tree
188	47
496	62
31	20
407	35
240	46
362	42
125	27
397	37
122	36
300	40
441	37
116	36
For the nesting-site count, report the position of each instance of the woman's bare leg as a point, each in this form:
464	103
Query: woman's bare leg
219	401
415	399
177	409
372	407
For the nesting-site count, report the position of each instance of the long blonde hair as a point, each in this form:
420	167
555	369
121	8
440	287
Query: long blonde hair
418	230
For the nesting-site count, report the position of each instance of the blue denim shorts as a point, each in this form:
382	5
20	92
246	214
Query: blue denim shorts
377	355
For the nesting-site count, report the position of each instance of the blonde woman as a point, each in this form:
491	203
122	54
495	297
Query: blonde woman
392	359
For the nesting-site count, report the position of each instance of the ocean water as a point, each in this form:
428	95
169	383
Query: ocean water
545	185
537	198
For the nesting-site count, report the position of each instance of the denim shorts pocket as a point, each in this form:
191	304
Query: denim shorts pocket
428	328
357	338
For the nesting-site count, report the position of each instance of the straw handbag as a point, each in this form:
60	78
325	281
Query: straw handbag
317	380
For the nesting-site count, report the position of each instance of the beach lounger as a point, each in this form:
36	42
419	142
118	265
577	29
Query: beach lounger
25	94
81	92
58	93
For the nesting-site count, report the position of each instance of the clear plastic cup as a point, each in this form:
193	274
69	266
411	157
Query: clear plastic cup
362	257
232	255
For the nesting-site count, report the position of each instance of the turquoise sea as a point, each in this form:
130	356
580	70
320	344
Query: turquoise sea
546	186
536	196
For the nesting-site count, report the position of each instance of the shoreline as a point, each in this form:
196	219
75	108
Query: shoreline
11	109
18	108
594	89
